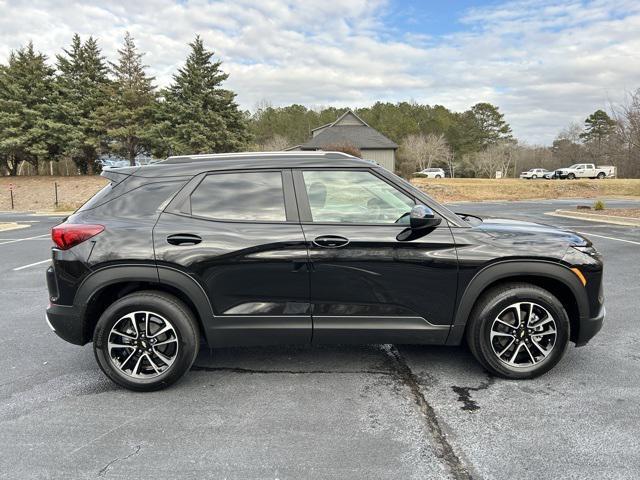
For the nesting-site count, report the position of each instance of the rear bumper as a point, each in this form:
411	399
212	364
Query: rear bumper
589	327
65	322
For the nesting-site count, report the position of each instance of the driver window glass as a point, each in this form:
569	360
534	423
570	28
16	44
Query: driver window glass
354	197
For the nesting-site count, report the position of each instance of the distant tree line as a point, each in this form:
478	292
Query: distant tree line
85	107
474	143
82	108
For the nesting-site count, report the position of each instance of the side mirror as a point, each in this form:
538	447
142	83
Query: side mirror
422	217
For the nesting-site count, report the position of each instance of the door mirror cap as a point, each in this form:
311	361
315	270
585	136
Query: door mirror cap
423	217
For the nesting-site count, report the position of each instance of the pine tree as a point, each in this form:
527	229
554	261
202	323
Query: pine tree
31	129
127	117
490	123
198	115
82	83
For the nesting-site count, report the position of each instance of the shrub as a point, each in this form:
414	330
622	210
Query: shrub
599	205
344	148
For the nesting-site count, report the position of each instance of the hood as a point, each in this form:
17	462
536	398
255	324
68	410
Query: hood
523	233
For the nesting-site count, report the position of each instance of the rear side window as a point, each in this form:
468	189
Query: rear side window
251	196
97	199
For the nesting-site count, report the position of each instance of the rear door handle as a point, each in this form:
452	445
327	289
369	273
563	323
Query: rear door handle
184	239
330	241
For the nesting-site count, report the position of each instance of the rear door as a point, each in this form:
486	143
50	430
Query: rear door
238	234
367	286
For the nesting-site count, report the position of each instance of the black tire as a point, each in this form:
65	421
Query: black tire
601	176
176	313
571	176
438	176
533	177
495	301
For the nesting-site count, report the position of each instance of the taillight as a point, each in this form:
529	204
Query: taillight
67	235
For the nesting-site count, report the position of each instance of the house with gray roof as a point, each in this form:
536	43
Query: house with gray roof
350	129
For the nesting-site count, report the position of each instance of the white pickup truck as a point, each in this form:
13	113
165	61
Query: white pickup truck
586	170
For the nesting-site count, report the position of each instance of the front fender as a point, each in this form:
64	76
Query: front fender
513	269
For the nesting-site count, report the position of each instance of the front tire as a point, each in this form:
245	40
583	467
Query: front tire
146	340
571	176
518	331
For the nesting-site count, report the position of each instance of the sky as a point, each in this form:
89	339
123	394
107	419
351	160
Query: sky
544	63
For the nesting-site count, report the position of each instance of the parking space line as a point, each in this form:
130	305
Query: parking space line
31	265
589	234
21	239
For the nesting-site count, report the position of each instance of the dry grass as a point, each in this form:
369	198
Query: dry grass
479	189
37	193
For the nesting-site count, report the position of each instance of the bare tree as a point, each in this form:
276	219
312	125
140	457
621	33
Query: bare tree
626	156
275	143
422	151
495	158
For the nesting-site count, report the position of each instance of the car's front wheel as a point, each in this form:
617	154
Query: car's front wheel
146	340
518	331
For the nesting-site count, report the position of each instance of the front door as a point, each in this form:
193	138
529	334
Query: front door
238	235
367	285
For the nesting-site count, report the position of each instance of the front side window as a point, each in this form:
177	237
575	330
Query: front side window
252	196
354	197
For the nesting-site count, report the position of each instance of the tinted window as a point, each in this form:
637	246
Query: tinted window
254	196
354	197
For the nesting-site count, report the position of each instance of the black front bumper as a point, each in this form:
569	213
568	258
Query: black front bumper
589	327
67	324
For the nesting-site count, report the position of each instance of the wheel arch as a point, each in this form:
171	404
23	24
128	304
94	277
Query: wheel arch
105	285
555	278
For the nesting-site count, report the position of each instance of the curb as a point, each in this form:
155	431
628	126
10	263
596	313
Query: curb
593	217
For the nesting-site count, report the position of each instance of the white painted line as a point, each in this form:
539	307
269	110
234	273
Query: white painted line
609	238
28	238
31	265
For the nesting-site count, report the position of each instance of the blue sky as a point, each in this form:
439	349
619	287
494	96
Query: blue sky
431	18
545	63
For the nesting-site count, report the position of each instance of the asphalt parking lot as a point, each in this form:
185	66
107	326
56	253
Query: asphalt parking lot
373	411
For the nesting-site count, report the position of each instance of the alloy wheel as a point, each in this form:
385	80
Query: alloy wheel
523	334
142	344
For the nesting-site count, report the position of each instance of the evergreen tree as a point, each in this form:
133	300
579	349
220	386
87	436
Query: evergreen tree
491	126
198	115
598	126
82	83
31	128
127	116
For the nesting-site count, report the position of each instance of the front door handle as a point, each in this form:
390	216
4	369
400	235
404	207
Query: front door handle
330	241
184	239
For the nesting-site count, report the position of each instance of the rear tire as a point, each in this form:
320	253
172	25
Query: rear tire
146	341
601	176
510	331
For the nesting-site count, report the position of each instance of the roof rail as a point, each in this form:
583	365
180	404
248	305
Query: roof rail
222	156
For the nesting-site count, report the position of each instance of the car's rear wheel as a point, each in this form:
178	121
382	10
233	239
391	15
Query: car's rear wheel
533	177
146	340
438	176
518	330
601	176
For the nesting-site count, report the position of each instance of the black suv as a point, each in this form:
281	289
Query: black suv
322	247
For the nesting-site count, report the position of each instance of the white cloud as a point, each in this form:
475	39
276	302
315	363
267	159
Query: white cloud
545	63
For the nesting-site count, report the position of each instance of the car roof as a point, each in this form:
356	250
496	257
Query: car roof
194	164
